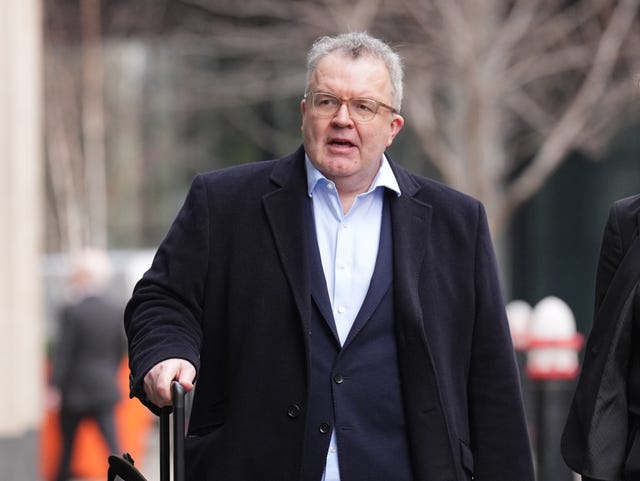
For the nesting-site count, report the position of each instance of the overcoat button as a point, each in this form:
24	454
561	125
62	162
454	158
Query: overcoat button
293	411
324	428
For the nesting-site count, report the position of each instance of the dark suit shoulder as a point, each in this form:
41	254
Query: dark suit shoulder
430	190
254	175
629	204
623	220
237	173
626	212
621	228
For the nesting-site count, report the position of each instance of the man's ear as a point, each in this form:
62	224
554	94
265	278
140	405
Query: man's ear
397	122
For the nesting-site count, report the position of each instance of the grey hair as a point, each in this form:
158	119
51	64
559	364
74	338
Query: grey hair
356	45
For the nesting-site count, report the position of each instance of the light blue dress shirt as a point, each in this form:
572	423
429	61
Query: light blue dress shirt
348	245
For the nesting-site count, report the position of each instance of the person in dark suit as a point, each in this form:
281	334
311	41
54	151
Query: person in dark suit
601	436
90	348
343	316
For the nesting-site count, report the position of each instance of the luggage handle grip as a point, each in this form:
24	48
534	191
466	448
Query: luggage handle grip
178	408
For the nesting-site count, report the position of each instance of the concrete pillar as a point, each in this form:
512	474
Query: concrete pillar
21	339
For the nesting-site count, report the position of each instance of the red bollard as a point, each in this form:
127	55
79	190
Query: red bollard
552	367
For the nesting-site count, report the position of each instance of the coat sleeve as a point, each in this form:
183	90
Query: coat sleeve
163	317
499	436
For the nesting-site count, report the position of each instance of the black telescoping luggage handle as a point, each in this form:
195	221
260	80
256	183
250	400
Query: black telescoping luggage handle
121	468
178	400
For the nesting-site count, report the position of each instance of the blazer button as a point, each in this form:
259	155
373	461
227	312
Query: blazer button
324	428
338	379
293	411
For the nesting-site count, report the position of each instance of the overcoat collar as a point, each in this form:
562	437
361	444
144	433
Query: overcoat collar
287	208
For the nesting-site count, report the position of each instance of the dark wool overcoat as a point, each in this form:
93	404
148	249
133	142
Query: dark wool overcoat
229	290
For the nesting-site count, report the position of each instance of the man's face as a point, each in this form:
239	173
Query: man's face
346	151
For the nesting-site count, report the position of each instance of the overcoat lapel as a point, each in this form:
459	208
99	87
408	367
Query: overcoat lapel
287	208
424	407
411	219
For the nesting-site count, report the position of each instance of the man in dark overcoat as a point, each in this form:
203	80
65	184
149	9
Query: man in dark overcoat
342	317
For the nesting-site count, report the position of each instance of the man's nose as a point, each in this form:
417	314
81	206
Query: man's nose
343	116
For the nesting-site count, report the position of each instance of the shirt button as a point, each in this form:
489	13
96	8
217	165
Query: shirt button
324	428
338	379
341	310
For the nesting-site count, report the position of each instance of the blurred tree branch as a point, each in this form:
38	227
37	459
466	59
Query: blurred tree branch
498	92
75	143
93	124
575	126
510	91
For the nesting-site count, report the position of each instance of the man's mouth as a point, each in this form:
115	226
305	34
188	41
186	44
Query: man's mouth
340	143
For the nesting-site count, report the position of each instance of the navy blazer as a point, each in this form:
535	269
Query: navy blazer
229	290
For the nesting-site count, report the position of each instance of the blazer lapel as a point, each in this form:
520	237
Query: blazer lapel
318	281
381	279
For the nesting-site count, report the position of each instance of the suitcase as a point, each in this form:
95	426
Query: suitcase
122	468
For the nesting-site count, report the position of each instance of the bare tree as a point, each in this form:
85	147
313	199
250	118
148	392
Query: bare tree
63	157
498	92
505	93
75	131
93	123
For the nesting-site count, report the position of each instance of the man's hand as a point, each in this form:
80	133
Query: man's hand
157	382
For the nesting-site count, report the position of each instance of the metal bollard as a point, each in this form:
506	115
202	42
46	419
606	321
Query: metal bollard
552	367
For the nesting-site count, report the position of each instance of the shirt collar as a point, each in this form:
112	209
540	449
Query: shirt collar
384	177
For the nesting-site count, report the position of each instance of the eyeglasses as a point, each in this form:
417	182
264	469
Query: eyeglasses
360	110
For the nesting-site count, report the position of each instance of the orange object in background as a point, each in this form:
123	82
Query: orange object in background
90	453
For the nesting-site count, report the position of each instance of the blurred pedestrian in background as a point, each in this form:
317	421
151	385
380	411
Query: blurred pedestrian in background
601	437
86	358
